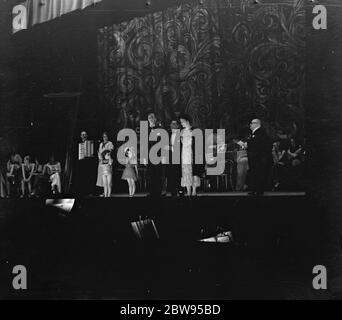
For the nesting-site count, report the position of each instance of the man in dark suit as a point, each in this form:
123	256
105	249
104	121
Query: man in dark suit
259	152
84	177
154	171
173	171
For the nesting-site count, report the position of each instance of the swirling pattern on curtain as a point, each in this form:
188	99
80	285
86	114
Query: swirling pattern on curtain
220	62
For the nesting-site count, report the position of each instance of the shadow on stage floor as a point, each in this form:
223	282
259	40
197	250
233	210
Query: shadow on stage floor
92	252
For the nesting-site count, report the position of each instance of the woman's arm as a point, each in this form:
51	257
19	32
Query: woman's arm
290	153
11	169
23	172
31	172
298	151
44	169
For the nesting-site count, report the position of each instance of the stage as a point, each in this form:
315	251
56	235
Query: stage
220	194
92	251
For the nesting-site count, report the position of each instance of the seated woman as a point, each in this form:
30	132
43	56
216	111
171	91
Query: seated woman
241	170
13	174
41	179
294	154
54	170
2	181
27	169
278	163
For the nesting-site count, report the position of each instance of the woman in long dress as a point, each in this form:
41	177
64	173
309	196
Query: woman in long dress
27	172
13	174
104	145
190	173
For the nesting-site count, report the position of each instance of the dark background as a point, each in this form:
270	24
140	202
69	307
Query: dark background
63	55
55	57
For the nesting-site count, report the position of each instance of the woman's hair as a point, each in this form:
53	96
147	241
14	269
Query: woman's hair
129	149
104	153
150	111
185	117
133	153
17	158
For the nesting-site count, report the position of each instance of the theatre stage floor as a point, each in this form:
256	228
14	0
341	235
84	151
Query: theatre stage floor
92	251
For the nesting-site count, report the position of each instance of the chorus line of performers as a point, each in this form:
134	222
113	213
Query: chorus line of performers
26	177
186	175
257	157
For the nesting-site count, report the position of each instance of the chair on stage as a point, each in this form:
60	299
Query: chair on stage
224	181
2	186
142	181
241	170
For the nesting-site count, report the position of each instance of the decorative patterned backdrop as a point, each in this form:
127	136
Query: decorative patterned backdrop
220	62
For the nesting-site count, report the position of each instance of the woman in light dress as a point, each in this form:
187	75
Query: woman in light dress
14	174
107	169
130	173
104	145
190	171
54	170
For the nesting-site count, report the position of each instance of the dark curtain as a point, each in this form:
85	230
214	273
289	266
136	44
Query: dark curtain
220	62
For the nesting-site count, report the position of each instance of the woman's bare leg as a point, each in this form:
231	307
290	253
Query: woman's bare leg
133	187
8	186
109	180
104	180
129	186
22	187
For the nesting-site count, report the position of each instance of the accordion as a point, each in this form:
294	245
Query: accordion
85	150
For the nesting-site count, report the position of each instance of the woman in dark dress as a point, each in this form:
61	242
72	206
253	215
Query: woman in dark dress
14	174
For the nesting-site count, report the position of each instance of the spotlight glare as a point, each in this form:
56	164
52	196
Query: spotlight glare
64	205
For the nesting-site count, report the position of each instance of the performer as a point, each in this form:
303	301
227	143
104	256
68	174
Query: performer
13	174
173	171
131	171
106	170
241	169
104	145
2	180
295	154
154	171
190	170
259	152
85	166
54	170
278	164
27	169
41	179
